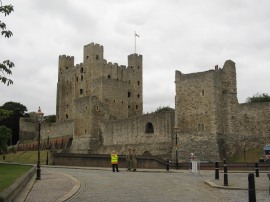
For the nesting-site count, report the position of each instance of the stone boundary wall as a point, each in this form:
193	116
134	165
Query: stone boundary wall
132	132
58	129
99	160
254	118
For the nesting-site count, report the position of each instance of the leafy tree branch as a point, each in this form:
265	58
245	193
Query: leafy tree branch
5	66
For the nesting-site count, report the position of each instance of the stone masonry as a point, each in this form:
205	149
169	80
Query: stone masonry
99	108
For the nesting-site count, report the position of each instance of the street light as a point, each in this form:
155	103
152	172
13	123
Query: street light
48	147
39	115
176	147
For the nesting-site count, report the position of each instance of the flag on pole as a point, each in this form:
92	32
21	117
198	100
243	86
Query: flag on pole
137	35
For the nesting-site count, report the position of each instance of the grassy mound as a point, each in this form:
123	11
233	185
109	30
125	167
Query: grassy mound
24	157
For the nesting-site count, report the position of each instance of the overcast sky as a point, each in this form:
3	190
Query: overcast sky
185	35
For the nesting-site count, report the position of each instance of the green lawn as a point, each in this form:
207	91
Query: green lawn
249	156
24	157
10	173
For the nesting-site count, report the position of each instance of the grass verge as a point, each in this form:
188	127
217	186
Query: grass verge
10	173
24	157
249	156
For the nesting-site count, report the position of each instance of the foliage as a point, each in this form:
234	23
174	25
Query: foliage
5	134
15	107
258	98
4	114
164	109
16	111
50	119
7	178
12	149
5	66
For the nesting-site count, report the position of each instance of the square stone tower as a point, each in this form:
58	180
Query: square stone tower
96	91
205	108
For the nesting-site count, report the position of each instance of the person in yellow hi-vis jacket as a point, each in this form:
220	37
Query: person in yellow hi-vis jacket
114	160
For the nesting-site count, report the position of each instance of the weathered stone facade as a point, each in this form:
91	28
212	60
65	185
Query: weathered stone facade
209	119
99	108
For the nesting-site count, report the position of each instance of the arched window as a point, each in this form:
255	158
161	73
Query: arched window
81	70
149	128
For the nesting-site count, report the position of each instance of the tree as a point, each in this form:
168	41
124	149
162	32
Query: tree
5	66
5	132
264	97
163	109
50	119
17	111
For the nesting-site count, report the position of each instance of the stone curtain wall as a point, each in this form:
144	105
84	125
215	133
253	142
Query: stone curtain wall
254	118
252	128
60	134
29	129
56	130
131	132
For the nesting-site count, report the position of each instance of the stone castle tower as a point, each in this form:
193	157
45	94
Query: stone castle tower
119	87
96	88
209	120
206	105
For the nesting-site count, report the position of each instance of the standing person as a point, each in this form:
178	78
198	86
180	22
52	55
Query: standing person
134	160
114	161
191	158
129	159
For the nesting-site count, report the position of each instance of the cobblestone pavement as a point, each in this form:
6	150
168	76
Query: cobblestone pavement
104	185
101	184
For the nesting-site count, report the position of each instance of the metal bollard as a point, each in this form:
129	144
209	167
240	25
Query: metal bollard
256	170
225	173
167	165
216	171
251	188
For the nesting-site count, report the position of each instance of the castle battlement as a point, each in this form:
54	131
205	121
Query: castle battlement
94	45
117	86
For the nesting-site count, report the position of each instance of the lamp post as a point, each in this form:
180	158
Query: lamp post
176	147
39	115
47	148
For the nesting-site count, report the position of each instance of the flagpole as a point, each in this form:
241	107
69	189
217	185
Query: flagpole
135	40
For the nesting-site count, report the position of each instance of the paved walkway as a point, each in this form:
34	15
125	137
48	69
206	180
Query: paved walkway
101	184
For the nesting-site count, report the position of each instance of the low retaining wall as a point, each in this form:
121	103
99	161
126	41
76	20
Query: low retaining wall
151	162
13	191
102	160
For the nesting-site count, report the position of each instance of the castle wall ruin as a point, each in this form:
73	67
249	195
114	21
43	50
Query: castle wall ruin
99	108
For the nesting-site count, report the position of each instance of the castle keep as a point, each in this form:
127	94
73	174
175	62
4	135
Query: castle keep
99	108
